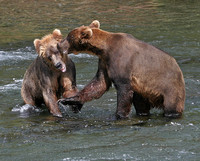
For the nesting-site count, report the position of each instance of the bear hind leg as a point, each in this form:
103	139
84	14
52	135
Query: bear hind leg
173	106
142	105
27	98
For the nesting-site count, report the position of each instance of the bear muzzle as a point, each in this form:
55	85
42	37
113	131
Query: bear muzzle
61	67
63	47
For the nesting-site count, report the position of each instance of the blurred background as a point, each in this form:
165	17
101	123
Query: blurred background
31	133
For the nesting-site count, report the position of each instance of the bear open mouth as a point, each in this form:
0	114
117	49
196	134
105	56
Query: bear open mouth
60	66
63	69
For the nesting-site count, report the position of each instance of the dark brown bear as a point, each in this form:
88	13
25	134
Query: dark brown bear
141	73
50	76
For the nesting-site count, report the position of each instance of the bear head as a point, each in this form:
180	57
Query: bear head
47	49
82	39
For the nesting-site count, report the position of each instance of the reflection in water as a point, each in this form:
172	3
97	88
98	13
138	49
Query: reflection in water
94	134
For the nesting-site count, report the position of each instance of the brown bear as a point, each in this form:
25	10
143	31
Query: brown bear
141	73
51	75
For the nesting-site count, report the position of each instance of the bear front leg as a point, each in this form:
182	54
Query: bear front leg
70	94
94	90
50	100
124	101
69	88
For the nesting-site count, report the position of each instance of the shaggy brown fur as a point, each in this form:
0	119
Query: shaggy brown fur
50	76
142	74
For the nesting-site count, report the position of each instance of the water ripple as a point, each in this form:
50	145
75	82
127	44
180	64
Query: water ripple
19	54
16	85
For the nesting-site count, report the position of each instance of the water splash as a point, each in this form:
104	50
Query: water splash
26	110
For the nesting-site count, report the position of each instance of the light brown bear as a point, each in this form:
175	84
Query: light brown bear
50	76
141	73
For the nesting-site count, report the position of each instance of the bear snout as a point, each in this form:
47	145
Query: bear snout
58	65
61	66
63	47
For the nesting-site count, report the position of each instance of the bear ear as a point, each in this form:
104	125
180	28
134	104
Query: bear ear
37	44
95	24
57	34
86	33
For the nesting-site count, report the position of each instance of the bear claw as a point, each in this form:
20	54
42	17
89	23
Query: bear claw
58	115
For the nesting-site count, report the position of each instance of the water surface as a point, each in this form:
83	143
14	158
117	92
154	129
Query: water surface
28	133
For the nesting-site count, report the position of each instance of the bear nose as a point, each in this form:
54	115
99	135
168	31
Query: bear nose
58	65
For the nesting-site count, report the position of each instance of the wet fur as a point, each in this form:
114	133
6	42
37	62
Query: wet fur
142	74
43	82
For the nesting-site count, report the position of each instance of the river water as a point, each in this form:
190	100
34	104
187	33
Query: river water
28	133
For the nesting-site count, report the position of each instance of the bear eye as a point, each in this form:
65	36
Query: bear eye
49	57
54	51
83	33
